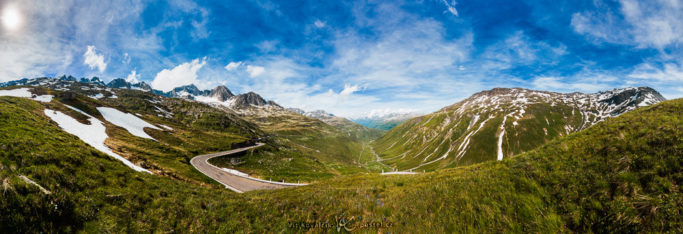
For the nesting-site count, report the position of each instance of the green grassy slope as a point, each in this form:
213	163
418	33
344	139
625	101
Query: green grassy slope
621	175
298	148
197	129
500	123
306	149
419	143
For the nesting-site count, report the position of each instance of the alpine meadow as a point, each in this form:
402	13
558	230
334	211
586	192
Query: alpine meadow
353	116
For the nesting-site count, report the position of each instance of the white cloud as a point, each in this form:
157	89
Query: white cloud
319	24
94	60
183	74
451	7
655	24
133	77
668	72
255	71
348	90
232	66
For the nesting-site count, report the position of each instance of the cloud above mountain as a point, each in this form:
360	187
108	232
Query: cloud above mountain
183	74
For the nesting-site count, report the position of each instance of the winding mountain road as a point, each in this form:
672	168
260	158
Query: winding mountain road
234	182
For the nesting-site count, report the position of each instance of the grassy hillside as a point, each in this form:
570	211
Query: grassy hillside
306	149
497	124
196	129
621	175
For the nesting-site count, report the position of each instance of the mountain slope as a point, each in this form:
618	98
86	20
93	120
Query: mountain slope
499	123
347	126
155	133
621	175
202	121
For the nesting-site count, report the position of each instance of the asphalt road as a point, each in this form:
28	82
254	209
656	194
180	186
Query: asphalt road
233	182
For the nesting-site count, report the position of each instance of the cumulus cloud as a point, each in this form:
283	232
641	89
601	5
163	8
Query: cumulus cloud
94	60
183	74
255	71
348	90
133	77
232	66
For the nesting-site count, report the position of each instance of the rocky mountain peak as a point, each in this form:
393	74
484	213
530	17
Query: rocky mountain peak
119	84
251	99
221	93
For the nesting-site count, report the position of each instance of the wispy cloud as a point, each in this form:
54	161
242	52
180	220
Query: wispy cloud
319	24
232	66
655	24
450	6
255	71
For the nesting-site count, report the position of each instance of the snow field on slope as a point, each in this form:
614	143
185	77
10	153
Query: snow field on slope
130	122
23	92
93	134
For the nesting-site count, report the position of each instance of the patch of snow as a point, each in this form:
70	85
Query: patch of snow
93	134
24	93
97	96
20	92
130	122
43	98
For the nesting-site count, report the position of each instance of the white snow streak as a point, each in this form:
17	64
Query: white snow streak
500	139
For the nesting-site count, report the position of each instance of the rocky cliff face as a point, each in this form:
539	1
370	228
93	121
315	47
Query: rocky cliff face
221	93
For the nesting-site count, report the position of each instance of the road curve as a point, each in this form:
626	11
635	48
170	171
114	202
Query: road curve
233	182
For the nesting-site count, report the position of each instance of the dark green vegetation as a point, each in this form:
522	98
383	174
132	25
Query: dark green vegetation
621	175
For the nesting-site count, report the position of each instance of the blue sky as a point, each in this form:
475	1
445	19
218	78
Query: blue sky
351	58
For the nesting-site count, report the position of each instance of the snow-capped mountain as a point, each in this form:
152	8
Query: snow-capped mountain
220	95
502	122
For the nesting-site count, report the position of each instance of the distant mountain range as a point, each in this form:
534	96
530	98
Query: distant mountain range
385	121
219	94
499	123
